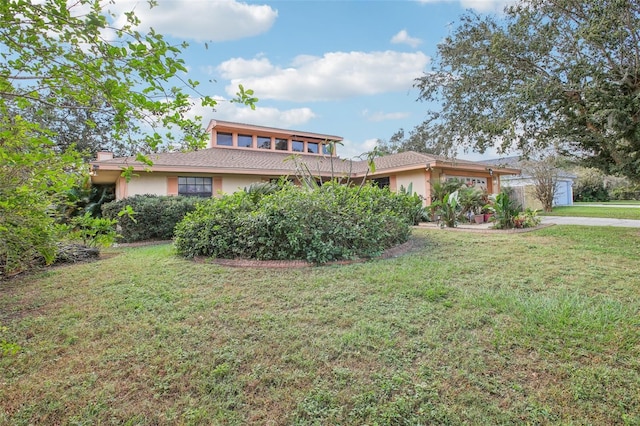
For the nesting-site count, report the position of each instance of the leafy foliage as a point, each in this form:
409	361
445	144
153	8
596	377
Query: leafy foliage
416	140
506	210
449	209
151	217
331	222
626	193
558	73
67	68
590	185
527	219
32	178
91	231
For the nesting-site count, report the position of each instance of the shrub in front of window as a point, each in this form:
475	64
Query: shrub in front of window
331	222
154	217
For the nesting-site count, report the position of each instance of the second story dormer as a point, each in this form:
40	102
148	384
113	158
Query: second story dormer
227	134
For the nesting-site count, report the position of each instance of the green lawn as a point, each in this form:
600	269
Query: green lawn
585	210
499	328
613	202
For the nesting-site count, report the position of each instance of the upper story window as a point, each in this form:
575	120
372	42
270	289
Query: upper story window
245	141
312	147
224	139
264	142
297	146
281	144
194	186
326	149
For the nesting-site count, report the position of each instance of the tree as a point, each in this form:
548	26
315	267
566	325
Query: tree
544	174
563	73
60	58
85	129
33	177
417	141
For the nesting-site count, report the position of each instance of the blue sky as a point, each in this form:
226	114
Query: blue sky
338	67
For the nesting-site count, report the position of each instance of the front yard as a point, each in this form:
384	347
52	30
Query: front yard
492	328
586	210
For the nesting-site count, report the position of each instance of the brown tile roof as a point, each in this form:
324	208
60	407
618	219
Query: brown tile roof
229	159
249	161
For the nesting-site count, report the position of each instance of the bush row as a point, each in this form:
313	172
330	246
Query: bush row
151	217
626	193
331	222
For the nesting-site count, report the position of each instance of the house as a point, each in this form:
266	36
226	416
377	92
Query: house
239	154
523	184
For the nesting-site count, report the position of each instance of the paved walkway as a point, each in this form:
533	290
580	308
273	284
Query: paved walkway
591	221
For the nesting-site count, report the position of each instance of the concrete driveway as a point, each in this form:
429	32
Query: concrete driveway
591	221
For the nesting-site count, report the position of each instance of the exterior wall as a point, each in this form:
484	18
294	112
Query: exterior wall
147	183
234	183
418	180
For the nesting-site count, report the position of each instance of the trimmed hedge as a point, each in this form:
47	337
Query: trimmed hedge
332	222
154	218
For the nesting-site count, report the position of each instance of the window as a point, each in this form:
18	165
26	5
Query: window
326	149
297	146
282	144
383	182
224	139
264	142
194	186
245	141
312	147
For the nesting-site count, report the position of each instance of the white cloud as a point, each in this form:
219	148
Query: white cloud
245	68
353	149
478	5
384	116
265	116
219	20
403	37
336	75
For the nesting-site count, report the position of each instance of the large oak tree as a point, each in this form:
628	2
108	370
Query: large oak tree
67	59
547	73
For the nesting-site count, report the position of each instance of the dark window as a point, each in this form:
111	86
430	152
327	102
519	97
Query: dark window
194	186
326	149
281	144
264	142
297	146
245	141
381	182
224	139
312	147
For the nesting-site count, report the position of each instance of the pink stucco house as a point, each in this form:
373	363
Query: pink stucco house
241	154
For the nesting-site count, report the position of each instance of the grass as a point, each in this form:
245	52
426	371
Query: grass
612	202
584	210
498	328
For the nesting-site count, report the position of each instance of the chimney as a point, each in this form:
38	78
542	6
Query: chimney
104	155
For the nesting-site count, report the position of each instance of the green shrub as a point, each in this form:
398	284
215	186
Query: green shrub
90	231
154	217
590	186
631	192
506	210
527	219
331	222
